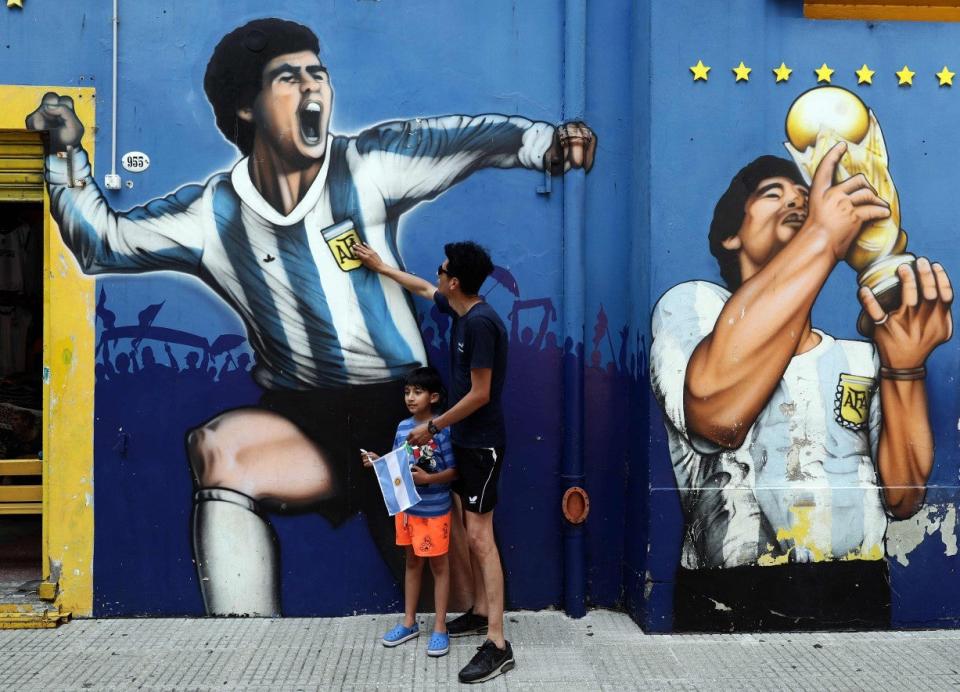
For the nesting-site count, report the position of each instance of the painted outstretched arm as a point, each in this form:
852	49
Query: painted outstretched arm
735	369
904	339
164	234
415	160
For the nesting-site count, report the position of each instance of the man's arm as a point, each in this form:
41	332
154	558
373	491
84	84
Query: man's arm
164	234
415	160
904	339
476	398
372	261
735	369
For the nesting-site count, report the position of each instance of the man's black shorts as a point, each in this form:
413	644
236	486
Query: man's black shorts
341	422
478	474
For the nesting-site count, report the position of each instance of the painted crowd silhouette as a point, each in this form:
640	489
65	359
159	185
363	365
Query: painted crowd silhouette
140	361
129	354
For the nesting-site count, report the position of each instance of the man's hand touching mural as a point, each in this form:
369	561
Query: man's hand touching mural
789	446
273	237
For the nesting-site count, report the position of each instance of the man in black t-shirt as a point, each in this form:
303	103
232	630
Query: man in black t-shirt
478	365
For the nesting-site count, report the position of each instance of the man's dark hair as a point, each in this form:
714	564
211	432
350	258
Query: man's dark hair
428	379
470	263
235	71
731	208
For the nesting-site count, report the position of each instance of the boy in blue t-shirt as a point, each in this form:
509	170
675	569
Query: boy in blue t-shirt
424	529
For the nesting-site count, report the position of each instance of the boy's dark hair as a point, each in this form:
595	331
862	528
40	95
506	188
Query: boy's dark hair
730	210
235	71
470	263
428	379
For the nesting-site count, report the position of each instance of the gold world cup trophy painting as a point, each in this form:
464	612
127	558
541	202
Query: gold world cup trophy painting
817	120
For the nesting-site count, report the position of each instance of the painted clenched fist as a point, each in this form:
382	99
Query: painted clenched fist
574	146
56	115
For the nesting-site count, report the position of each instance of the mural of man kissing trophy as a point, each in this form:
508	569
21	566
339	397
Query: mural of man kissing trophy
272	238
792	448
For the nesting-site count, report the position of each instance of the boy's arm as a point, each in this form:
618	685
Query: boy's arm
445	476
372	261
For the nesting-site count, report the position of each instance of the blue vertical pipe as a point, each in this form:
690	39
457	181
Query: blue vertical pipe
574	287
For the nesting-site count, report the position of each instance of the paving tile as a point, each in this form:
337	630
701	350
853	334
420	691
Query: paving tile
603	651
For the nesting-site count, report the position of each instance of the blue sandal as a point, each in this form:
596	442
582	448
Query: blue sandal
400	634
439	644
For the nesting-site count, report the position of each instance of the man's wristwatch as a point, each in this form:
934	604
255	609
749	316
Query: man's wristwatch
431	428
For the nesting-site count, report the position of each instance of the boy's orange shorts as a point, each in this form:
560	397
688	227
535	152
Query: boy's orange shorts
428	536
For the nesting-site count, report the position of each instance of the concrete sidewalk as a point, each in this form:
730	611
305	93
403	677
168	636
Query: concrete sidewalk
604	650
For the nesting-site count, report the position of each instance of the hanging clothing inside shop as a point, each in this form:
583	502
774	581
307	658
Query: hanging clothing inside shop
21	328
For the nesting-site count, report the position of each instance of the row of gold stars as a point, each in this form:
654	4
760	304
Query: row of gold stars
824	74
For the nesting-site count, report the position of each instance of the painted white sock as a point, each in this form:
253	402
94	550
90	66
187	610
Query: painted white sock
236	554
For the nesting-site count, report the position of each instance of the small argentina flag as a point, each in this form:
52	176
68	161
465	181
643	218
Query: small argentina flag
396	481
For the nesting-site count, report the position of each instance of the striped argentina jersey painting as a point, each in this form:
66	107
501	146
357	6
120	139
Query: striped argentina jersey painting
803	487
314	316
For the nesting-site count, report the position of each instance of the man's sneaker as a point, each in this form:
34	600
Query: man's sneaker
468	623
488	662
439	644
400	634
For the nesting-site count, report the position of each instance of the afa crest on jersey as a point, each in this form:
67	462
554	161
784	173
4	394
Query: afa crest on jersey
340	239
852	403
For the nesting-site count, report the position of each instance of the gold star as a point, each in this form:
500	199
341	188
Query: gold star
15	3
824	73
782	72
742	72
945	76
865	75
905	76
699	71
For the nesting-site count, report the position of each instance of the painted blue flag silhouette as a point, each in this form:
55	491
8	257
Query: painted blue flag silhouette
396	481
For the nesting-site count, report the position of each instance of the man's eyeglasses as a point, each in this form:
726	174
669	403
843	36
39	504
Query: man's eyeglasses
441	270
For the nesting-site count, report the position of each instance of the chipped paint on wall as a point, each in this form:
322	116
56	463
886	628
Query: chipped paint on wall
903	537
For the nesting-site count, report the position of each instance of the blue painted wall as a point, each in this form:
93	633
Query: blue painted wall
702	133
667	149
387	60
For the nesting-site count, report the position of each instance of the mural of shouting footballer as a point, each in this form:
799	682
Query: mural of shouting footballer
791	448
272	237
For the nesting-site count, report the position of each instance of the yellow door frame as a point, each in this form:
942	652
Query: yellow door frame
68	377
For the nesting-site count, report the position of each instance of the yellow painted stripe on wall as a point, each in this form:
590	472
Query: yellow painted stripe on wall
903	10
